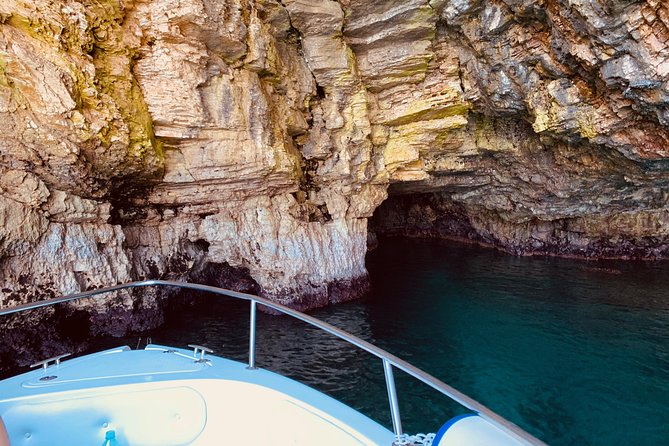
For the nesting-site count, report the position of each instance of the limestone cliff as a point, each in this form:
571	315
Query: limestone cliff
178	138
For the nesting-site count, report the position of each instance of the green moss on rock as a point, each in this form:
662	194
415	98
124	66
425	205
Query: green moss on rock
111	95
4	81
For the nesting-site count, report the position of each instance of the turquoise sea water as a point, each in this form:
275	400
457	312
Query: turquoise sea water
575	352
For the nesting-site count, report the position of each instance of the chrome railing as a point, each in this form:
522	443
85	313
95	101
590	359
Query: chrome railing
389	360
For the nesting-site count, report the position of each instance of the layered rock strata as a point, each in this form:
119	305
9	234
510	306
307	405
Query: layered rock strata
177	138
518	194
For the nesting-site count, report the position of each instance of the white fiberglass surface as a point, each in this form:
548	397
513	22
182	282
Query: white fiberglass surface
256	415
188	412
214	403
166	416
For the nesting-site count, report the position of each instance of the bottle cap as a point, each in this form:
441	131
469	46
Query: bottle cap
110	435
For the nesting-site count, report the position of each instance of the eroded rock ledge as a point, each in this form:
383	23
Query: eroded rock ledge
164	138
536	198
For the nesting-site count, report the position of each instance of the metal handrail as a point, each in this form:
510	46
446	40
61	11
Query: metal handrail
389	360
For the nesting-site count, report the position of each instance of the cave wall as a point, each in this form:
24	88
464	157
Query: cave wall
159	139
525	196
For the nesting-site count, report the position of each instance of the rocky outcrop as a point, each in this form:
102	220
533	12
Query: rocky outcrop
565	149
515	193
177	138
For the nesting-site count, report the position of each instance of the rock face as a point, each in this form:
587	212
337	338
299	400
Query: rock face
177	138
564	151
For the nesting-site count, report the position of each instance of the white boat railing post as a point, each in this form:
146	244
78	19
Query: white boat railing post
252	337
392	398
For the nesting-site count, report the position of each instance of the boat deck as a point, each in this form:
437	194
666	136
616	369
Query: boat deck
164	396
167	397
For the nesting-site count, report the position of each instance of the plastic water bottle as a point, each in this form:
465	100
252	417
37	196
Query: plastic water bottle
110	439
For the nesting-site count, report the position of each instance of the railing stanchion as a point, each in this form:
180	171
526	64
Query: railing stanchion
392	398
252	337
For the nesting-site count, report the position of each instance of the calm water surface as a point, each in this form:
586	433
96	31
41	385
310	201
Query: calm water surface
577	353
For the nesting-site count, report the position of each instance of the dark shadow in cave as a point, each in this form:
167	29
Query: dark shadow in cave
28	337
